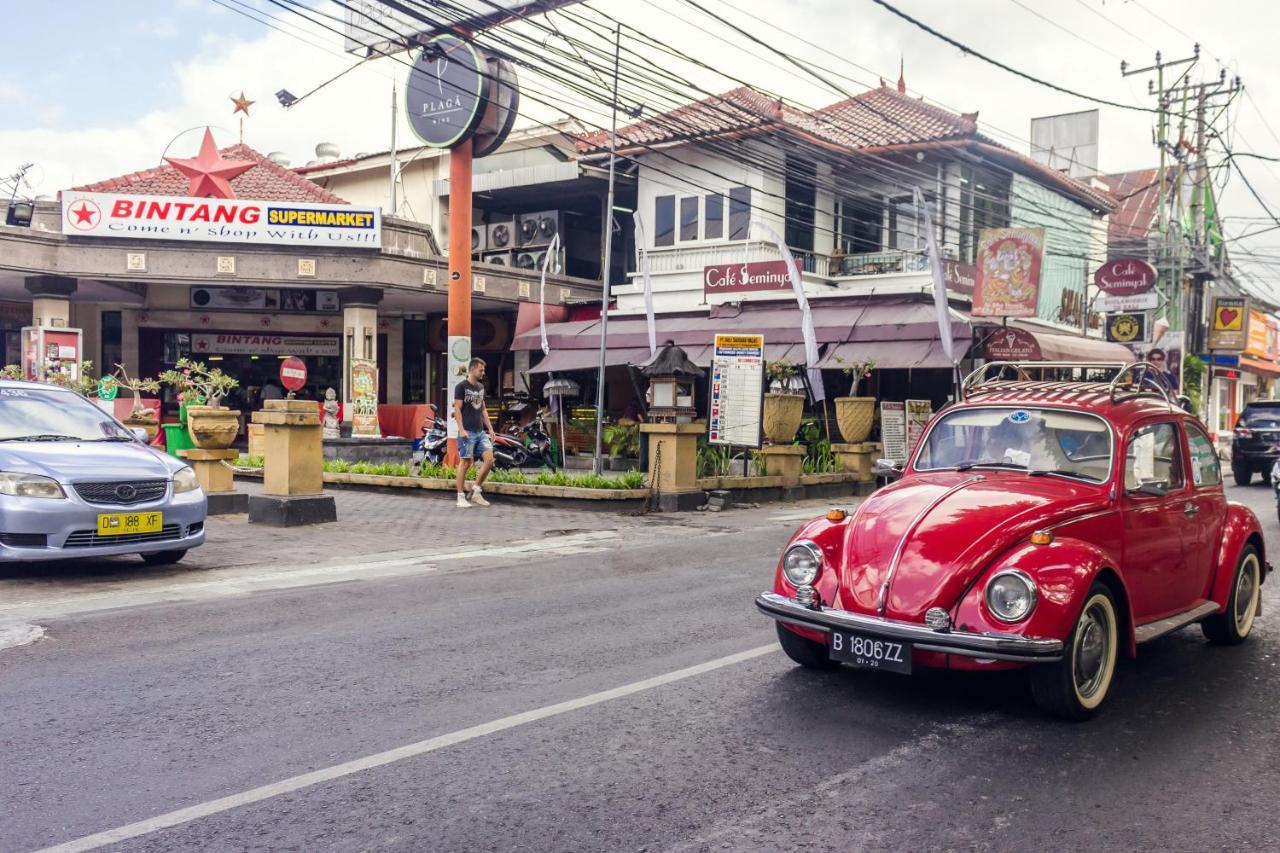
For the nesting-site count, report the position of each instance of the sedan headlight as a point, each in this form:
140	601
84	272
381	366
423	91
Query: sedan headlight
1011	595
801	563
29	486
184	480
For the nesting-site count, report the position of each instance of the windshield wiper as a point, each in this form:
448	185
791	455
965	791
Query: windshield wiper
965	466
1064	472
43	437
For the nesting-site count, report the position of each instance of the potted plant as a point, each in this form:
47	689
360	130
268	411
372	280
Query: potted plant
855	414
623	441
784	403
139	415
211	426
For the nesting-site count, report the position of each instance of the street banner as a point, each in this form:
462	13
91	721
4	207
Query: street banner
1228	326
218	220
1009	262
1128	328
647	281
364	399
893	430
737	390
940	305
542	293
918	414
806	316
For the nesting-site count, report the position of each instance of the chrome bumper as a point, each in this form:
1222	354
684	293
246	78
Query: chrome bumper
986	646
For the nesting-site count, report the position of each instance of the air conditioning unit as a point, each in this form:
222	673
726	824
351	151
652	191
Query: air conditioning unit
557	262
498	259
479	238
502	235
537	229
527	260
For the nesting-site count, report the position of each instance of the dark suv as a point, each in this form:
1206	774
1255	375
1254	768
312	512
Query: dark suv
1255	444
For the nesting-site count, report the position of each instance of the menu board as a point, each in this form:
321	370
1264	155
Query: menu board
737	390
918	414
893	430
364	399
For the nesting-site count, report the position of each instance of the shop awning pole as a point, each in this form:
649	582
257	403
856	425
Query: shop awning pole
596	465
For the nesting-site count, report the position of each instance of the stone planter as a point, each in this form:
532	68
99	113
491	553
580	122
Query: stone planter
212	429
782	416
855	415
147	420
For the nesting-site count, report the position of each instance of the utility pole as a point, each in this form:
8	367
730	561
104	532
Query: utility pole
596	465
392	209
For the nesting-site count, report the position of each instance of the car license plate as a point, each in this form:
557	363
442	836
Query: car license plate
122	524
871	652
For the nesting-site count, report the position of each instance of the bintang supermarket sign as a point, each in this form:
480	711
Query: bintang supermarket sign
214	220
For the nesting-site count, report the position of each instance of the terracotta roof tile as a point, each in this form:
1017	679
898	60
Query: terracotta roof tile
1136	195
267	181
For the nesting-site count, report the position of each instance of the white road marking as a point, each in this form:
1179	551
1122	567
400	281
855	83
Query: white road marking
12	636
258	578
369	762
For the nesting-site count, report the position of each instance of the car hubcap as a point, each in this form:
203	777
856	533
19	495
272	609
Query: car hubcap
1093	657
1246	595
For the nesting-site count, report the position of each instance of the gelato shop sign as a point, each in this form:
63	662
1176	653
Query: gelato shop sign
216	220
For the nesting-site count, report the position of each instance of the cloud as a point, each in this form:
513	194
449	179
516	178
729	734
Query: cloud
11	92
161	28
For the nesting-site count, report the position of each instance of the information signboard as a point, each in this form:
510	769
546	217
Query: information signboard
918	414
893	430
737	390
364	399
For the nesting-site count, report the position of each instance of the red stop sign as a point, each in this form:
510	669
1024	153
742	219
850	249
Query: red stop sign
293	373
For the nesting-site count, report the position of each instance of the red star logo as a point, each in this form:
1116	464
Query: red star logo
202	345
209	174
204	319
266	321
84	215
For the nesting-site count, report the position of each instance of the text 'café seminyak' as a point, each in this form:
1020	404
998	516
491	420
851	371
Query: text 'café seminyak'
233	259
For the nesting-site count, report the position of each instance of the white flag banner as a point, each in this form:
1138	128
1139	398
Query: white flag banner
647	282
542	292
939	279
806	316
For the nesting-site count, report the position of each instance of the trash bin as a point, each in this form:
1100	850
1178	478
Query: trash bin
177	438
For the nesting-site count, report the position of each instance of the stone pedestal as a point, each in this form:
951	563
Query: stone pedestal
673	464
293	466
257	438
858	458
785	461
213	470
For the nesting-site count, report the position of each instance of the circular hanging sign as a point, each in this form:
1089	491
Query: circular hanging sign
447	93
1009	344
293	373
504	102
1125	277
108	388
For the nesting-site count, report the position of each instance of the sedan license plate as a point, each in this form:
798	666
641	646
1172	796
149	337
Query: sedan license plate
123	524
871	652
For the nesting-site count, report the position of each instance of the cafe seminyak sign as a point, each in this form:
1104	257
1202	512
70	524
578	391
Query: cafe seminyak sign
745	278
1125	277
216	220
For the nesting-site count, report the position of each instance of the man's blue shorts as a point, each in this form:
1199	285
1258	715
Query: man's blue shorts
475	445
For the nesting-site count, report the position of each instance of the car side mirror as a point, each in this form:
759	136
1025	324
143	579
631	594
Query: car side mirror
887	468
1152	489
140	433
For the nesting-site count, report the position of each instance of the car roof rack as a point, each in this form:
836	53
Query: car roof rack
1132	379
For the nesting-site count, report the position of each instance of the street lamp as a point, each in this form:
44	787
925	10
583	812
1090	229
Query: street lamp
286	98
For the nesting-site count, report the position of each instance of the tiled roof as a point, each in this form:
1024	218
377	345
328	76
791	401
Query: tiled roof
267	181
871	123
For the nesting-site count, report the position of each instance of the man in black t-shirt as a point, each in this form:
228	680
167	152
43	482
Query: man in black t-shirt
475	433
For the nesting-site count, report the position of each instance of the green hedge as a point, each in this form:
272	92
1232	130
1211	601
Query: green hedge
629	480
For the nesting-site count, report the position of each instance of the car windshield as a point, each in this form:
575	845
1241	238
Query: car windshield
1261	417
43	414
1040	441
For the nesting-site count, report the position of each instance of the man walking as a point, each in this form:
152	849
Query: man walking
475	433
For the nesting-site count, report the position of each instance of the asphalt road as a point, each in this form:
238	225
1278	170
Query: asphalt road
605	691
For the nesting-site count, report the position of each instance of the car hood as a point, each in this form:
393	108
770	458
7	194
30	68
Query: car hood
947	526
69	461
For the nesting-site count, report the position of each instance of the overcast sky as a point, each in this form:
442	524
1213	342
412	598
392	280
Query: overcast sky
89	89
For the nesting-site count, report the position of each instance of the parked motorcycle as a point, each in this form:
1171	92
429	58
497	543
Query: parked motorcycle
530	446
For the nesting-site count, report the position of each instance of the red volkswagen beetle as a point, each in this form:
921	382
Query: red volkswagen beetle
1050	525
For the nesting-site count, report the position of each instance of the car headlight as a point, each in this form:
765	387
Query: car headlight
1011	595
29	486
801	563
184	480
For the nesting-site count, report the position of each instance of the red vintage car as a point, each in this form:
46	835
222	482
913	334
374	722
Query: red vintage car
1040	523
